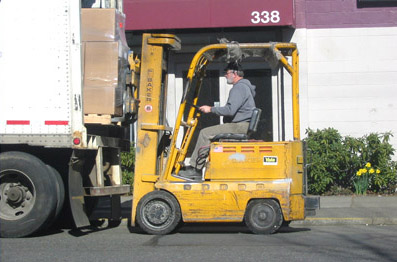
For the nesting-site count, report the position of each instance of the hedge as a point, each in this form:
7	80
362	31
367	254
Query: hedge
334	162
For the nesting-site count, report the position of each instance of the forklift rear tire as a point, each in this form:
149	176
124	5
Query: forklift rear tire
263	216
158	213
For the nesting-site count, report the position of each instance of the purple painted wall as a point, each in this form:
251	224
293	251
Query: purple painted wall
172	14
341	14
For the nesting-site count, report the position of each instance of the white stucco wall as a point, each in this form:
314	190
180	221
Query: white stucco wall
348	80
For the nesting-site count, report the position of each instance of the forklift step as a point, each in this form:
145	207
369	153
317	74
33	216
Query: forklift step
197	178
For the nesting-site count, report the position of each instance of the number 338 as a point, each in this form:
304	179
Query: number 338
265	17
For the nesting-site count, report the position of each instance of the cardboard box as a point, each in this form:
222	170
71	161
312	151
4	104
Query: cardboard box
98	24
102	101
101	64
104	77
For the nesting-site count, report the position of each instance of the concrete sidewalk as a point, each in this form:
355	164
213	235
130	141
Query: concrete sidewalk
335	210
360	210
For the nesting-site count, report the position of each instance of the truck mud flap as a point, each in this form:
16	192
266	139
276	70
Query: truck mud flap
76	194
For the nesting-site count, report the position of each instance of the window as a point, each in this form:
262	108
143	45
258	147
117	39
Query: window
376	3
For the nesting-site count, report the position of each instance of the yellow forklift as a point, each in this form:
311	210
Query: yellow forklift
260	183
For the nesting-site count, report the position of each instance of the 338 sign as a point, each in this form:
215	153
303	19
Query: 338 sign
265	17
210	14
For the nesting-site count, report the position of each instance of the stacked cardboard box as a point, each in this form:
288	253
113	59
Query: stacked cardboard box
105	54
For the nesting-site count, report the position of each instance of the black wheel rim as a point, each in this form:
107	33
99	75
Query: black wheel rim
157	214
263	216
17	195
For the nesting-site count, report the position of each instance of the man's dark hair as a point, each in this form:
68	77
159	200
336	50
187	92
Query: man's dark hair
236	67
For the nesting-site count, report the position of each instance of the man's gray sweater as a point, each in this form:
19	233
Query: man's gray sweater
240	103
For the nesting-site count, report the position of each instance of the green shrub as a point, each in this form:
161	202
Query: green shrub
355	161
326	158
334	161
376	150
127	166
379	152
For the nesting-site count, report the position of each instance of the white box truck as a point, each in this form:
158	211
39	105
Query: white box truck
48	149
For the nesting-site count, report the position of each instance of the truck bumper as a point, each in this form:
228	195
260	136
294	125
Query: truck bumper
311	204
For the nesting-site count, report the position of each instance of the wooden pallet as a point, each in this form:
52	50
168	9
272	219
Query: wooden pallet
98	119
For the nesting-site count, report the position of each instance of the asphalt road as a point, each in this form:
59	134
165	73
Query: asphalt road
209	243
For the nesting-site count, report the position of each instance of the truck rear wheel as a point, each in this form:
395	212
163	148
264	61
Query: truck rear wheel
27	194
263	216
158	213
60	192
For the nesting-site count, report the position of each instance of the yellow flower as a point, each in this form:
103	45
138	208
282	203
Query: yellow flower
371	171
368	164
377	171
358	173
364	170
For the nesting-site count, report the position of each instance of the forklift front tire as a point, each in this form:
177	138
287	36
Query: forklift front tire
158	213
263	216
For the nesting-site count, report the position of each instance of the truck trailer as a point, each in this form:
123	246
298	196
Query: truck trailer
64	111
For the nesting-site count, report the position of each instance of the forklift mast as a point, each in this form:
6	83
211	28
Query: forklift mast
151	123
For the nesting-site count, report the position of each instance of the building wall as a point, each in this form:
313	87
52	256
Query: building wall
348	76
342	14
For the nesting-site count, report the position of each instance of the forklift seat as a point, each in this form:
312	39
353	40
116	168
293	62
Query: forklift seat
256	115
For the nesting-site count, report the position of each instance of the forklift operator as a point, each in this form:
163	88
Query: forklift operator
239	108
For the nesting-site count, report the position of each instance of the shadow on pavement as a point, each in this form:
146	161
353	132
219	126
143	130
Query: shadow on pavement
288	229
96	226
218	228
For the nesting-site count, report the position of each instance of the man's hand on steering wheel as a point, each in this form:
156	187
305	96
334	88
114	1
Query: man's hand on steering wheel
205	109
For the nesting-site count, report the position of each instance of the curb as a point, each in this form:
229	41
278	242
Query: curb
358	201
337	221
